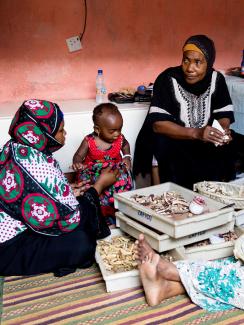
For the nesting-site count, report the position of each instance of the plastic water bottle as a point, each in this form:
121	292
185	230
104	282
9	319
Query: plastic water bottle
100	87
242	64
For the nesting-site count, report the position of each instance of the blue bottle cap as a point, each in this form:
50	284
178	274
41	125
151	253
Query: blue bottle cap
141	89
100	71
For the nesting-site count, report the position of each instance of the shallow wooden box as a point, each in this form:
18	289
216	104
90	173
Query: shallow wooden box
218	214
239	217
123	280
120	280
162	242
209	252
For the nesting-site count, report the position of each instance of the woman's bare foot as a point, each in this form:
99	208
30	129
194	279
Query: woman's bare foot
156	287
166	269
142	248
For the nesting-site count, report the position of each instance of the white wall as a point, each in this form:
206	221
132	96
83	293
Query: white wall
78	123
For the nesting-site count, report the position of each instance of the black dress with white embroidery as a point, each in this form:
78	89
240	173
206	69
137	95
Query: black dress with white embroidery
185	161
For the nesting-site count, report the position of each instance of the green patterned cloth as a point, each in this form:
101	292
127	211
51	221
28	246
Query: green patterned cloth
33	190
214	285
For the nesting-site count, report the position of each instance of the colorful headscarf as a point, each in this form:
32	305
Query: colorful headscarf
35	124
192	47
33	189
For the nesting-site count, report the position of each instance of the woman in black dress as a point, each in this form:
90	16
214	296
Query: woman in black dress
178	129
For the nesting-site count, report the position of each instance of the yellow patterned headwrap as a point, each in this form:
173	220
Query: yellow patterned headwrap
192	47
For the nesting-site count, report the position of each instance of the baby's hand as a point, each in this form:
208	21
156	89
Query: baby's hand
127	162
77	166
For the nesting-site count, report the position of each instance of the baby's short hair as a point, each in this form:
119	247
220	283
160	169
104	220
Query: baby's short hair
100	109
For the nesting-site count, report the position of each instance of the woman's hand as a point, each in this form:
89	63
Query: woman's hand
80	187
213	135
107	178
228	136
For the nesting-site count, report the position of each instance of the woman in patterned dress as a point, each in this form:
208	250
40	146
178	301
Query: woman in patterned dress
213	285
106	146
178	129
43	226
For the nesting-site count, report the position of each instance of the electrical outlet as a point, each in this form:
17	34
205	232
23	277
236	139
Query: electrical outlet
74	43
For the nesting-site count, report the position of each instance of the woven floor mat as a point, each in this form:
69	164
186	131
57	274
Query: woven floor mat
81	298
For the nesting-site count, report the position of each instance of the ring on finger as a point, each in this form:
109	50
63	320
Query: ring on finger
211	133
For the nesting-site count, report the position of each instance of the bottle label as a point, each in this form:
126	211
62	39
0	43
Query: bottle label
101	91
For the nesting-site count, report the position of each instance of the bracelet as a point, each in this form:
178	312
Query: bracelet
127	155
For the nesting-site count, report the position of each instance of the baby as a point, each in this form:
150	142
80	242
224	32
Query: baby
105	147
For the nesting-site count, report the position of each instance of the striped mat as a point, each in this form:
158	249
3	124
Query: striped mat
1	296
81	298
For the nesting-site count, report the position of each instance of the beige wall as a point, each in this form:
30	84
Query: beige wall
132	40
